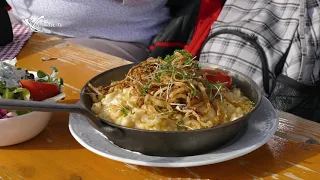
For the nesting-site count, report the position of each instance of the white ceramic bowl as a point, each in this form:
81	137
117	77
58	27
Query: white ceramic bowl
19	129
22	128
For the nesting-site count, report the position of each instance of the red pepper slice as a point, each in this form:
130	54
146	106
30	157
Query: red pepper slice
214	72
40	91
215	76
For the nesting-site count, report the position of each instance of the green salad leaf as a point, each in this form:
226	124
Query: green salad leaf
52	78
7	94
25	93
19	113
14	93
2	85
42	74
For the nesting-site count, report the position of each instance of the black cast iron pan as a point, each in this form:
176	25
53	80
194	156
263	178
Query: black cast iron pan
149	142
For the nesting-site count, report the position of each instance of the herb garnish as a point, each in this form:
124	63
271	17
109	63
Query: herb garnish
125	110
177	71
180	125
145	88
250	102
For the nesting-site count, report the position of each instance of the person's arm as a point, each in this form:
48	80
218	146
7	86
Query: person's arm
6	35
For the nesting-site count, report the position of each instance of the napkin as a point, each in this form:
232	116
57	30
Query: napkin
12	62
21	34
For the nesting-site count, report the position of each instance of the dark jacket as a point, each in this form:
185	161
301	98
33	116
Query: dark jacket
189	27
6	35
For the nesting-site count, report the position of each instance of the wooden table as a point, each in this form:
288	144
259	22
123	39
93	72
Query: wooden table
293	153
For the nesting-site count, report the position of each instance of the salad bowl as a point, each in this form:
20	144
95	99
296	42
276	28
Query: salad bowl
17	83
22	128
18	129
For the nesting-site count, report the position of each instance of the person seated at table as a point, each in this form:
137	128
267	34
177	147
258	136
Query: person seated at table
123	28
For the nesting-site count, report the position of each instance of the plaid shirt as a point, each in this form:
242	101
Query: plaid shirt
279	25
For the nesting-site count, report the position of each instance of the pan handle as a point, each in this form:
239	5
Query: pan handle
58	107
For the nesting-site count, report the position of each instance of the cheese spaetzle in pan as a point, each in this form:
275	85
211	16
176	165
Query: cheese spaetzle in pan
170	94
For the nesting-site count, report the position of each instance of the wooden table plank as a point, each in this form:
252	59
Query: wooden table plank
54	154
